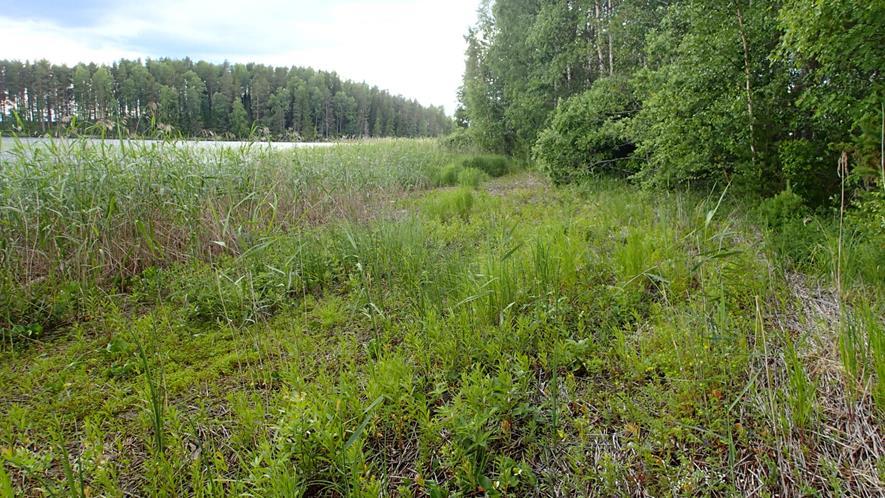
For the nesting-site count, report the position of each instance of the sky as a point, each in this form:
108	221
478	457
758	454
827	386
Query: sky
410	47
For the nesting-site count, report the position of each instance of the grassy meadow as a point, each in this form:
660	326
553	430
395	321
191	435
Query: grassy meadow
392	319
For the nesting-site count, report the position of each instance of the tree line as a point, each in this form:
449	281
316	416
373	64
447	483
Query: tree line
766	95
205	99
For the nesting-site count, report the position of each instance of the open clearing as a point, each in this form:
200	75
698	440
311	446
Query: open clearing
422	332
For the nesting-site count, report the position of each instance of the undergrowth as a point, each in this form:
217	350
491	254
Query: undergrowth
497	339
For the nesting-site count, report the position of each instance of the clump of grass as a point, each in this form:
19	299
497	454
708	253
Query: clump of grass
802	391
473	170
876	334
450	205
491	164
156	401
448	175
471	177
459	174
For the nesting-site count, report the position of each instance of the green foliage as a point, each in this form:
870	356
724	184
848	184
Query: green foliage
239	120
470	171
205	100
876	338
475	416
471	177
808	169
812	242
835	48
460	141
455	204
79	216
699	123
522	58
492	165
782	209
868	214
802	390
760	95
448	175
460	333
588	133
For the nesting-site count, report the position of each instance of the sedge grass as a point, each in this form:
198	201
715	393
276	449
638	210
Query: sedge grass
598	340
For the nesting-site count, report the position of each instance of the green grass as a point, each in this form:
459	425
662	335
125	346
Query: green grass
500	338
75	213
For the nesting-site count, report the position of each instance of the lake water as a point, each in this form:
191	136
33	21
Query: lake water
6	143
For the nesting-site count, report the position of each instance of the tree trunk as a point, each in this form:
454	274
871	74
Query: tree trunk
749	88
611	59
599	39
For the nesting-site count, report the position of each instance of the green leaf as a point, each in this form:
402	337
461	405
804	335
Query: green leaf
5	482
362	427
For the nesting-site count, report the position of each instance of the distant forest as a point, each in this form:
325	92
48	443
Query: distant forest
206	100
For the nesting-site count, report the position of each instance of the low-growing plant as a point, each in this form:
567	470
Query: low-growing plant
782	209
471	177
492	165
483	406
448	175
595	340
451	205
802	391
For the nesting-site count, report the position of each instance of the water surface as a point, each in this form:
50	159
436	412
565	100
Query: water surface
6	143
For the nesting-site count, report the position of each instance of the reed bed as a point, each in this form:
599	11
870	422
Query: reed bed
95	212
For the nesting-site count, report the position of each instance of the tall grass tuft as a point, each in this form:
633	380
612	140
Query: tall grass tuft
156	401
802	391
97	213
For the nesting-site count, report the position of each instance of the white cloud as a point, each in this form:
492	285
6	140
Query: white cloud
414	48
34	40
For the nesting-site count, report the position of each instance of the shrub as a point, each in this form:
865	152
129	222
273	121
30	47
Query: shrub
791	238
812	242
809	169
471	177
865	238
492	164
451	204
460	141
448	175
587	133
782	208
868	214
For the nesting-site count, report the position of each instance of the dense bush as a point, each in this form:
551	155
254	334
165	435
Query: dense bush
448	175
816	243
809	168
456	174
782	208
587	133
493	165
753	94
793	237
459	141
471	177
869	214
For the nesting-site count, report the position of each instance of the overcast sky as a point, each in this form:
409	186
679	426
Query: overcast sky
410	47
